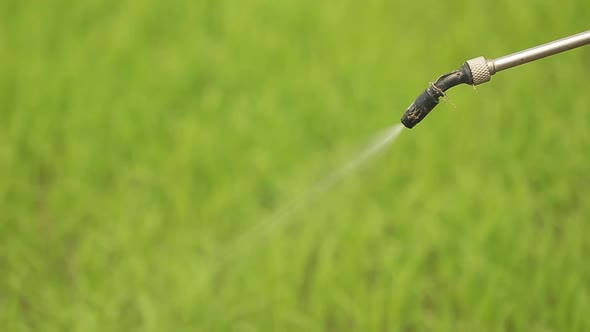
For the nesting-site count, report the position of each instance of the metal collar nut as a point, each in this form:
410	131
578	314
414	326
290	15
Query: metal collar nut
480	71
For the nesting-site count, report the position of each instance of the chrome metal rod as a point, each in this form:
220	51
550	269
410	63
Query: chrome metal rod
539	52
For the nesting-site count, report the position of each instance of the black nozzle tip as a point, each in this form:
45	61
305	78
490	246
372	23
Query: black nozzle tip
410	118
419	109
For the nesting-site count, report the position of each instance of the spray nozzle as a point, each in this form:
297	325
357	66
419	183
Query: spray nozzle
429	98
479	70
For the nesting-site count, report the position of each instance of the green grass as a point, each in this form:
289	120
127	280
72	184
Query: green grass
139	139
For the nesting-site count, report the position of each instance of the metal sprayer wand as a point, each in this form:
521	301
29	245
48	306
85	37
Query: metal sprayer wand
480	70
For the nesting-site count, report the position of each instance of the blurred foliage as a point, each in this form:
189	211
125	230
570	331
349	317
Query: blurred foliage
139	139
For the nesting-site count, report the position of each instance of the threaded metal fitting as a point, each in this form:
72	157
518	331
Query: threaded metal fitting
479	70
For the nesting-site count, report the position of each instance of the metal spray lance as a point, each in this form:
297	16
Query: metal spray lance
480	70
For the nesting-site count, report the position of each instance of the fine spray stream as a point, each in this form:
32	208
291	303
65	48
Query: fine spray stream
480	70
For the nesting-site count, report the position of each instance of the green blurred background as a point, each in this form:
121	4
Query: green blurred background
139	139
